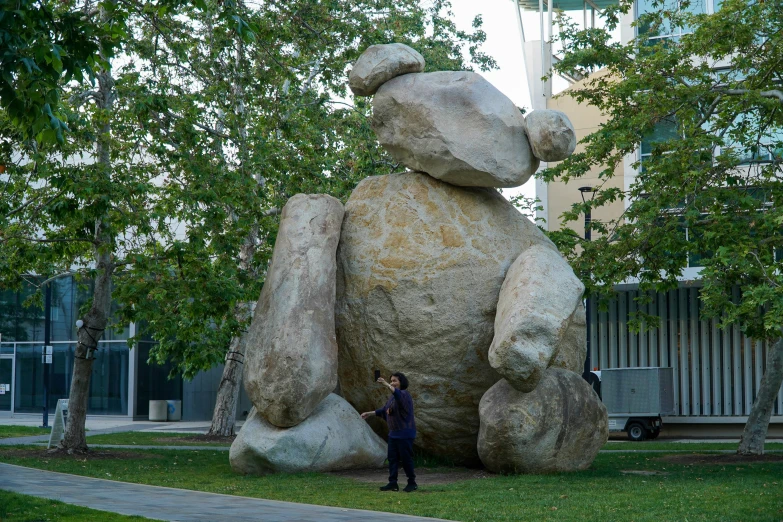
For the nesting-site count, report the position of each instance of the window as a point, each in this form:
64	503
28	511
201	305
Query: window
665	30
664	131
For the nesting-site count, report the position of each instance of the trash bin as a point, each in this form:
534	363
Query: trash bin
175	410
158	411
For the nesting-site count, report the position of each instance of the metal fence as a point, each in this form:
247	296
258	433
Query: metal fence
716	372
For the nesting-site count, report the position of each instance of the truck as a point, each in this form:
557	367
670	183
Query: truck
636	398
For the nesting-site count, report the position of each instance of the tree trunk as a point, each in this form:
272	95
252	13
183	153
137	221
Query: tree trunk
224	416
98	316
752	441
88	336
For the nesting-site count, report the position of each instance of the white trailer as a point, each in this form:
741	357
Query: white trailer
636	398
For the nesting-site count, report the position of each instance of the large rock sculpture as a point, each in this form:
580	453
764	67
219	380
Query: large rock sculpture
559	426
379	64
420	267
333	438
291	357
436	275
456	127
537	302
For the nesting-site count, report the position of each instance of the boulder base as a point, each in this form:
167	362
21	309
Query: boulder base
420	266
333	438
559	426
456	127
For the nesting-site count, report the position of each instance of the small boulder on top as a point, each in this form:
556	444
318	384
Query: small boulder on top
551	135
379	64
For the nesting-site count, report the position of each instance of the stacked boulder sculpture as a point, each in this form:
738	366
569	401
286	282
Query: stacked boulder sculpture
429	272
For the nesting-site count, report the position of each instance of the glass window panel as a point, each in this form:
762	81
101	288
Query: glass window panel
109	381
664	131
6	374
152	382
28	386
646	6
30	319
63	314
8	315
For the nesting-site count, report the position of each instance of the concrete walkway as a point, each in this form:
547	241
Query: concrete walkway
177	504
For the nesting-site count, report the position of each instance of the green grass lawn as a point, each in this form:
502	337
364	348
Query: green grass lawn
21	431
681	446
747	491
150	439
15	507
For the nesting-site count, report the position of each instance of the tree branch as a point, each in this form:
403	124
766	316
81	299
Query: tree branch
773	93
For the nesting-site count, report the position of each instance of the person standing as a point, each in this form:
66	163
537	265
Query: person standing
398	413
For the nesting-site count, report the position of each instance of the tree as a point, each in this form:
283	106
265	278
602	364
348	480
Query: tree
43	45
88	203
165	186
708	106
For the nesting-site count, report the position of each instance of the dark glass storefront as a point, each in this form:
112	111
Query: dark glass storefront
22	329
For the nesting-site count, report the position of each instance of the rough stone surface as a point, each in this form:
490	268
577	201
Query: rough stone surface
551	135
291	355
560	426
333	438
536	304
420	266
380	63
456	127
573	348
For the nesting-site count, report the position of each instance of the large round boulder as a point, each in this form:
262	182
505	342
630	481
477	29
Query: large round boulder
420	264
333	438
559	426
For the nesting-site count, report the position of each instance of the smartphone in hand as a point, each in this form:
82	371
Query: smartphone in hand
377	375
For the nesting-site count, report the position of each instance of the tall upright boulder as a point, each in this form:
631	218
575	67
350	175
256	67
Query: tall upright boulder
456	127
420	266
536	305
291	357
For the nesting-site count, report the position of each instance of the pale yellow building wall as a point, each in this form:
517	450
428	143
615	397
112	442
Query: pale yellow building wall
560	196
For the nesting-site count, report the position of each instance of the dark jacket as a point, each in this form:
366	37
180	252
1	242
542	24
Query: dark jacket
400	417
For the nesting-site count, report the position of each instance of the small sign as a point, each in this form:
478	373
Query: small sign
48	358
60	421
48	350
8	387
2	389
612	424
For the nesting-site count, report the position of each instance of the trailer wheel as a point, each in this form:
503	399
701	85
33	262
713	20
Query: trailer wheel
636	432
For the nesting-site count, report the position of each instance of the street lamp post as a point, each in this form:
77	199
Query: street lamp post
588	218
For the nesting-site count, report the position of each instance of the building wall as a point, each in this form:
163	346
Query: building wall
561	196
716	372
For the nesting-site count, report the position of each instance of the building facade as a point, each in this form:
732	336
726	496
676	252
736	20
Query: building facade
123	381
717	371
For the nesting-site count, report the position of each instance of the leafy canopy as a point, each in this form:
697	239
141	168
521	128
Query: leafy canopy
706	106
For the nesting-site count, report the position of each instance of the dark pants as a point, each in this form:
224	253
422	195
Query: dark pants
401	452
